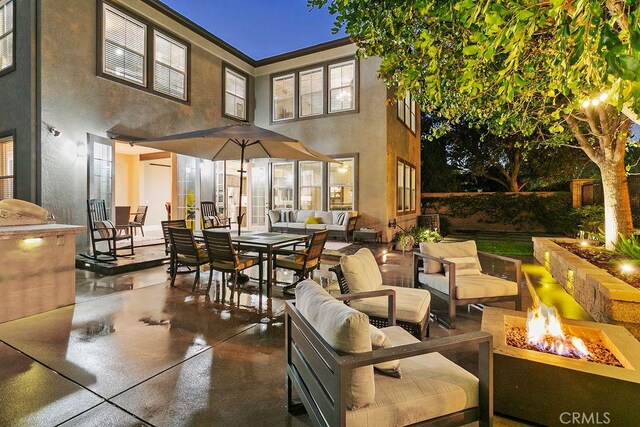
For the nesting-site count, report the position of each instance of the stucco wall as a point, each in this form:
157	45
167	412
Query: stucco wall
18	102
402	144
77	102
363	132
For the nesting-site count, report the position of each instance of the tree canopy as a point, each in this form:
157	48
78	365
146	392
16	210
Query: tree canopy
558	71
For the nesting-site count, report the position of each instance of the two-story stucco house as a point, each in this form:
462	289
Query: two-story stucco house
81	78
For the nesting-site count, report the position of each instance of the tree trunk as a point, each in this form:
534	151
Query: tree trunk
617	205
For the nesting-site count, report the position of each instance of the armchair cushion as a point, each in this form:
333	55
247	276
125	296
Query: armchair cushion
467	287
380	340
411	304
431	386
448	250
361	272
345	330
465	266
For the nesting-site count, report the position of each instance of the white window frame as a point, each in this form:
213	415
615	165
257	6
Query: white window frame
10	33
291	76
157	33
408	105
237	75
104	45
291	165
354	189
319	185
352	86
405	188
300	94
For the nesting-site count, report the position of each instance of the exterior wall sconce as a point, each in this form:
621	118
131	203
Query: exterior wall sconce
394	223
53	131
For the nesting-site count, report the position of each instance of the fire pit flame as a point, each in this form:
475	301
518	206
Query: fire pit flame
545	332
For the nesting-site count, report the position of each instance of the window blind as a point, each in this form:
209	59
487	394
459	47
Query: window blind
283	97
311	92
235	94
170	66
6	35
6	168
341	87
124	46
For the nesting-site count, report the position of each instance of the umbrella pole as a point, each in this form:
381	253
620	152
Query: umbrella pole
240	214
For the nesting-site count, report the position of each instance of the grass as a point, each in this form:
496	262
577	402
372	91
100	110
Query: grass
505	247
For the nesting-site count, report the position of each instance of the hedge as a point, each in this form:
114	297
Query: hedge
553	212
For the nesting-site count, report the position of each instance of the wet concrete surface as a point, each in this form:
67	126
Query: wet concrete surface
133	350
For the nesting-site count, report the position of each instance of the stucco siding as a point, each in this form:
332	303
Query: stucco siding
362	132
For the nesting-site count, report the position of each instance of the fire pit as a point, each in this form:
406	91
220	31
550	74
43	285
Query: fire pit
532	384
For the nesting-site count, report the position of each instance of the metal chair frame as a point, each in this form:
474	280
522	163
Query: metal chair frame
96	213
312	252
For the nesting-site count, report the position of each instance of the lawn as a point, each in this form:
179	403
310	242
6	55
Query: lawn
506	247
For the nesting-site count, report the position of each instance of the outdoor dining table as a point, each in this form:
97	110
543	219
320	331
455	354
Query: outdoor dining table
264	242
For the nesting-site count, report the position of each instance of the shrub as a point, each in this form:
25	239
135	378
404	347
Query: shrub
629	246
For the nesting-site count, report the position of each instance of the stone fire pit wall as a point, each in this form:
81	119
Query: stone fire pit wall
606	298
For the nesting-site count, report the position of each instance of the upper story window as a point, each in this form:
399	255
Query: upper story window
407	111
6	34
170	66
124	46
6	168
342	86
311	92
283	97
235	103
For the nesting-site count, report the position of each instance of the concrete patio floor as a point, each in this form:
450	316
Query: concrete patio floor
133	351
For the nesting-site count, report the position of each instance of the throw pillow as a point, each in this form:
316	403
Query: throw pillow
380	340
314	220
105	228
361	271
465	266
341	218
274	216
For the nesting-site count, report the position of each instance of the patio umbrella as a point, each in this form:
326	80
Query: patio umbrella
242	141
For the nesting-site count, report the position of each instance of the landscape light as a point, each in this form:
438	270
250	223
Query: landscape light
626	268
584	243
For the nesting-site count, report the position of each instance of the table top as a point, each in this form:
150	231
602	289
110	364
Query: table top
262	238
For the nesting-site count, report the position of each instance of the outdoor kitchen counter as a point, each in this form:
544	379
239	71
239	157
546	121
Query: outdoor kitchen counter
37	268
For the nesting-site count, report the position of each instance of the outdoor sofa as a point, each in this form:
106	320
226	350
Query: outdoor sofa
339	223
332	351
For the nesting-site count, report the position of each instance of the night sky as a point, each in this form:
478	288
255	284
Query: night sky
260	28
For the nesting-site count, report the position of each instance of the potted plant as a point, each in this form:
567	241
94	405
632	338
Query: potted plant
406	240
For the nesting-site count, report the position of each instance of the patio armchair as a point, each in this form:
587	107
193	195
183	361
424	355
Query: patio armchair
211	218
302	261
335	360
139	219
104	231
186	252
180	223
224	258
360	273
452	272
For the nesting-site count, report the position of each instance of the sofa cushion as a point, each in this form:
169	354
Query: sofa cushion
280	224
448	250
411	304
379	340
302	215
361	271
465	266
345	330
274	216
316	227
298	225
431	386
327	217
471	287
334	227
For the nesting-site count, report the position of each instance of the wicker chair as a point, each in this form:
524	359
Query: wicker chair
186	252
139	219
417	329
302	262
223	257
180	223
101	229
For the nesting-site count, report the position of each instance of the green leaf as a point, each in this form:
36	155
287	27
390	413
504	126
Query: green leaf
524	15
471	49
493	18
608	38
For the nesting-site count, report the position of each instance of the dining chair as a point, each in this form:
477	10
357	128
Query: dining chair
211	218
139	219
224	257
303	261
186	252
180	223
